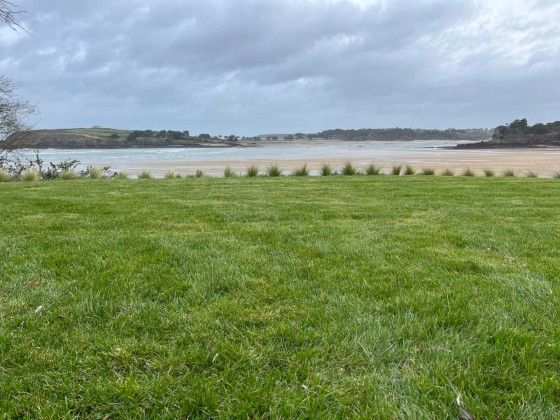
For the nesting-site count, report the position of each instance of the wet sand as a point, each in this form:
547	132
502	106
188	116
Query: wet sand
544	162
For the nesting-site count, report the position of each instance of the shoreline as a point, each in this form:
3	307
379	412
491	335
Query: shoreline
520	161
292	154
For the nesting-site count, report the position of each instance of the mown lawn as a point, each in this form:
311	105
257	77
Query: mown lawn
289	297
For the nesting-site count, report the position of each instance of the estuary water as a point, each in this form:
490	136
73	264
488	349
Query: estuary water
290	154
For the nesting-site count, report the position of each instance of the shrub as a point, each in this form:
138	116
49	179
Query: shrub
68	175
467	172
171	175
145	175
448	172
273	170
121	175
428	171
556	175
409	170
488	172
509	173
396	170
199	173
303	171
326	169
252	171
229	172
373	169
4	176
532	174
348	169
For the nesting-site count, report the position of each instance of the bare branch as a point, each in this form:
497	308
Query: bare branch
9	14
14	119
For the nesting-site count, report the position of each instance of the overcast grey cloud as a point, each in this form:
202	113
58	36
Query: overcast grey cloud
257	66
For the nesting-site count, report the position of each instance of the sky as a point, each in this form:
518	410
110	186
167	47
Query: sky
251	67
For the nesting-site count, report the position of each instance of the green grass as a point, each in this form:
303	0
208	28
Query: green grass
314	297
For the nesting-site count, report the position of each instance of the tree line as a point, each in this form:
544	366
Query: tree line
520	128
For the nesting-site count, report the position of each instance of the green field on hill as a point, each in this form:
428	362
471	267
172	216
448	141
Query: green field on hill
318	297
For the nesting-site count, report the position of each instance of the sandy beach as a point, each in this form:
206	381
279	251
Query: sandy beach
544	162
437	154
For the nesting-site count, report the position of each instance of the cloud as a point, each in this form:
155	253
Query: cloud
250	66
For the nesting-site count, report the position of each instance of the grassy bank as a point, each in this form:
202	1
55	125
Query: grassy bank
318	296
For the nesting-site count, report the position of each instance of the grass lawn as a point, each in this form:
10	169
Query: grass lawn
293	297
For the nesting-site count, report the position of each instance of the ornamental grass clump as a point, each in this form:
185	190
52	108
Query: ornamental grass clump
303	171
199	173
467	172
326	169
4	176
30	175
273	170
372	169
532	174
94	173
428	171
145	175
556	175
252	171
348	169
488	172
509	173
68	175
121	175
396	170
448	172
229	172
409	170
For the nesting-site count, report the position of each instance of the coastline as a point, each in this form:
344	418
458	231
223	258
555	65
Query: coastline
521	161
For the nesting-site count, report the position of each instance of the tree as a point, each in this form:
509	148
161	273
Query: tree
9	14
14	111
14	119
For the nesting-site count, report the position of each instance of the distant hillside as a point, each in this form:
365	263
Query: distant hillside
406	134
520	134
108	138
388	134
